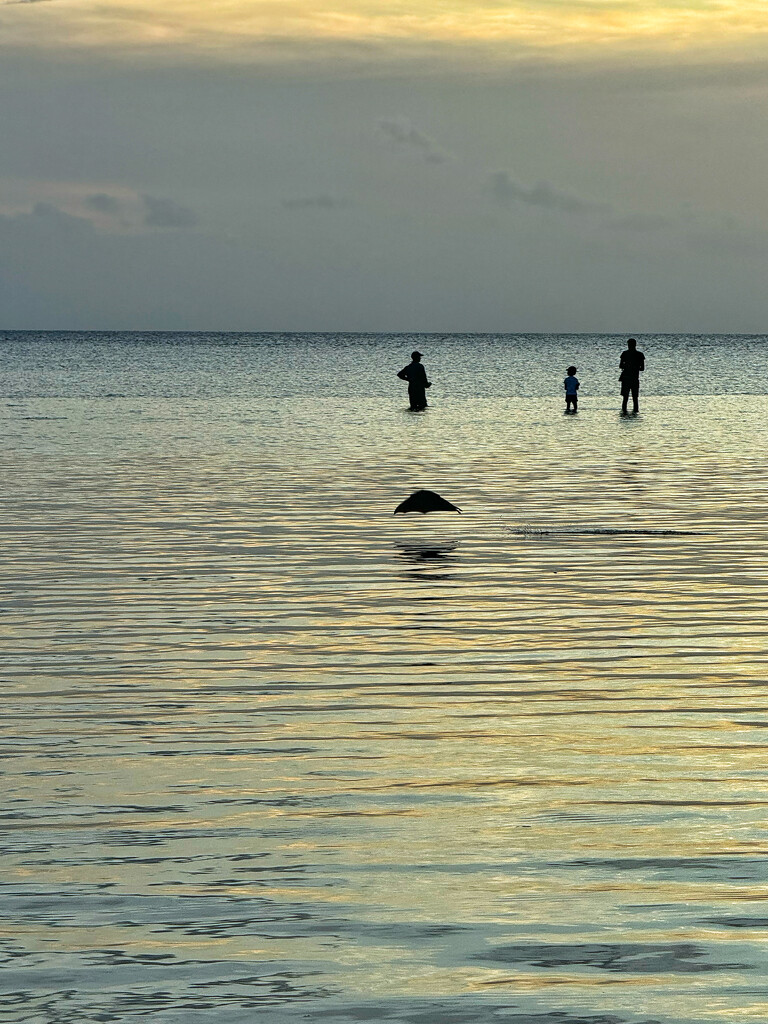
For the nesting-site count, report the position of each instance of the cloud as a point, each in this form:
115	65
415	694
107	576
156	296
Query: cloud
165	213
44	218
469	32
319	202
400	131
101	202
505	190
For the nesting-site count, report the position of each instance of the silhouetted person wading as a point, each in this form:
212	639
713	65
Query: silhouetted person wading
416	376
631	364
571	383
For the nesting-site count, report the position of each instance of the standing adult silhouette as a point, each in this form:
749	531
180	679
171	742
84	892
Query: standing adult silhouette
631	364
416	376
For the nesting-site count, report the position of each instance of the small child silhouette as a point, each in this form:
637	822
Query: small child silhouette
571	387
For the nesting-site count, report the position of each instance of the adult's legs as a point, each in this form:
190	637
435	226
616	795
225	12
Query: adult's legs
417	396
635	393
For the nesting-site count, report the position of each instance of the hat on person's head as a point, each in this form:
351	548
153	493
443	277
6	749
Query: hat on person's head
415	354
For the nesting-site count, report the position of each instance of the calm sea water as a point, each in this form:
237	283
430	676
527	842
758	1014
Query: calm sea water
270	753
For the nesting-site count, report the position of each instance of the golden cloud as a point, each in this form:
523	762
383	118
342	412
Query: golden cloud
292	29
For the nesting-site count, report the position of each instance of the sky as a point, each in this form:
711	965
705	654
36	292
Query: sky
360	165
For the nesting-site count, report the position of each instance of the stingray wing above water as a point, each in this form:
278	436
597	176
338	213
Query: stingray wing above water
426	501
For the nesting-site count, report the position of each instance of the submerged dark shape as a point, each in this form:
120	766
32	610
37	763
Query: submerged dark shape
438	550
426	501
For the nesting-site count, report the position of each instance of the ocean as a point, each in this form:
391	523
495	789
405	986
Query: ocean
272	753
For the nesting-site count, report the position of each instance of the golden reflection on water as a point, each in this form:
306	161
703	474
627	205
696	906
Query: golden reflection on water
270	747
